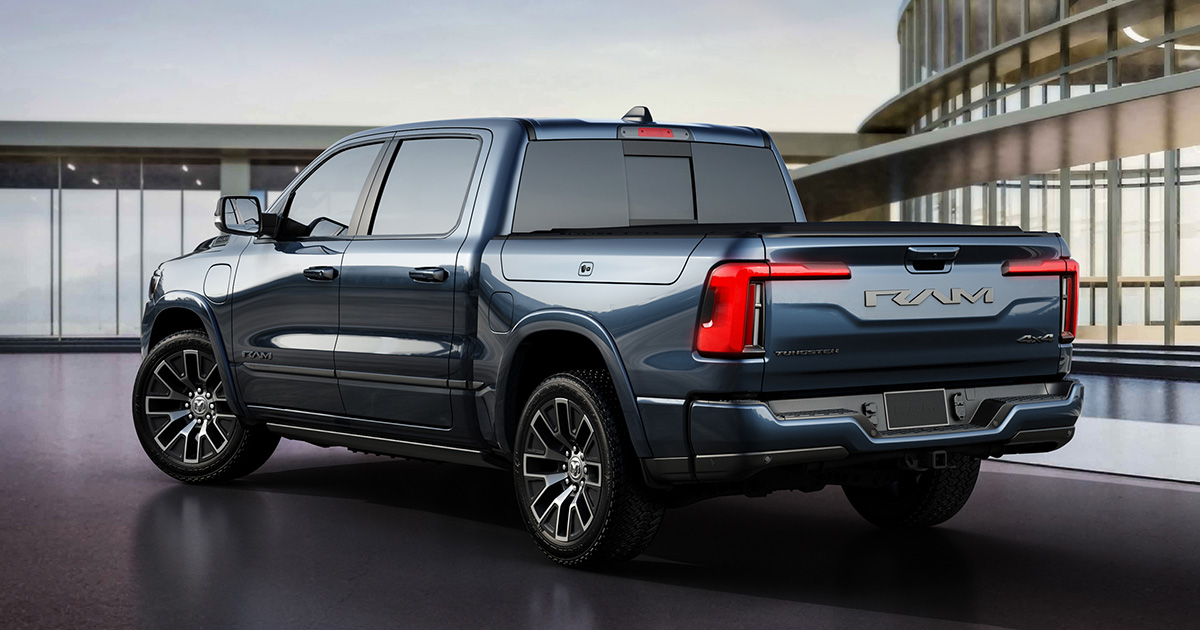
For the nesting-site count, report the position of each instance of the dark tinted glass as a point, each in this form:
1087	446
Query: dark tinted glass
660	190
736	184
274	174
426	187
572	184
28	172
182	174
331	192
93	173
593	183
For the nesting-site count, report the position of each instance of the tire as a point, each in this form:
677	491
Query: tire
579	489
919	498
183	420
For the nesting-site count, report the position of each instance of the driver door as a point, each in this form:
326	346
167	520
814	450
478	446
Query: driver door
285	299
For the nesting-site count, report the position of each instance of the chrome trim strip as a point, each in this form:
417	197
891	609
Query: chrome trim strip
290	369
1034	436
376	377
661	401
415	381
818	453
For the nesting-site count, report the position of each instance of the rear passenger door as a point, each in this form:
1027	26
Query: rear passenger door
397	342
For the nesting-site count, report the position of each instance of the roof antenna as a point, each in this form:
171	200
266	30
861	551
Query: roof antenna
640	114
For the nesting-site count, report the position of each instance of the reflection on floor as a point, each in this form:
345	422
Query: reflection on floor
91	535
1133	426
1128	447
1142	399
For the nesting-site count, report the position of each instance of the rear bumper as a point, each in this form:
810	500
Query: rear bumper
733	440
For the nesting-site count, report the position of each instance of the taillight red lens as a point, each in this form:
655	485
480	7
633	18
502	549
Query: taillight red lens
726	324
799	271
731	316
1068	271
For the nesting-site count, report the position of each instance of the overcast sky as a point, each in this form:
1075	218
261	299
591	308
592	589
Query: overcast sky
799	65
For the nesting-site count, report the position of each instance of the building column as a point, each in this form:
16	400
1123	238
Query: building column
235	176
1114	248
1064	93
1114	212
1170	206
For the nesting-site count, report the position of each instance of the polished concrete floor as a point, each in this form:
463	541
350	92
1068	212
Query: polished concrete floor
92	535
1141	399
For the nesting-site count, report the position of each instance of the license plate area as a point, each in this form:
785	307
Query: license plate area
916	409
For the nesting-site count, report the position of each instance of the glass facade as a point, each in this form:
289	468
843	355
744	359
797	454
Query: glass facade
1133	223
268	178
86	231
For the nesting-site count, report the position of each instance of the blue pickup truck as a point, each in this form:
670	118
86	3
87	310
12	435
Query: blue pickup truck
628	315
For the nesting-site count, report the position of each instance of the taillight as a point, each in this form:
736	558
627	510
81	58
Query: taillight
1068	272
731	316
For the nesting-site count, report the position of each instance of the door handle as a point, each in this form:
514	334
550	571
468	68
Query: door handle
930	259
322	274
931	253
429	274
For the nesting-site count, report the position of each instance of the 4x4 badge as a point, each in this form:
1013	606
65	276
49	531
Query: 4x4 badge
1036	339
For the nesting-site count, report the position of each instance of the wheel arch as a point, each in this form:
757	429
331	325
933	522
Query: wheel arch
177	311
590	346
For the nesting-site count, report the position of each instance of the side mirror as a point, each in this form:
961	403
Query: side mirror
240	215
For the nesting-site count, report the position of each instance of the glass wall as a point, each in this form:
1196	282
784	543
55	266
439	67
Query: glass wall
91	230
27	207
268	178
1132	223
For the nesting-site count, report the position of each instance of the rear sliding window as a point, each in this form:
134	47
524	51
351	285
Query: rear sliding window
619	183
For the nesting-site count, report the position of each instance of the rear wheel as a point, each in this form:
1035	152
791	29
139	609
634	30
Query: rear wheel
918	498
182	416
577	479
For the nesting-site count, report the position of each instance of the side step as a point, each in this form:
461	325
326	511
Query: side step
385	446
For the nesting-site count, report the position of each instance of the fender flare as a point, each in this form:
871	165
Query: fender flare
562	320
198	306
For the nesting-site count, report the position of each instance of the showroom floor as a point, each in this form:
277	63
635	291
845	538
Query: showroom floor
91	534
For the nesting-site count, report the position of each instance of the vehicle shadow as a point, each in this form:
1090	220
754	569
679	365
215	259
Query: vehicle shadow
808	548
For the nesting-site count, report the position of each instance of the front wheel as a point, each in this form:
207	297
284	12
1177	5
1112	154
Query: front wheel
183	419
577	479
918	498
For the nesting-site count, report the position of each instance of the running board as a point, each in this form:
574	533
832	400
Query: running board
385	446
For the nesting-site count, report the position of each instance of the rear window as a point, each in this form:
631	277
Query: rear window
619	183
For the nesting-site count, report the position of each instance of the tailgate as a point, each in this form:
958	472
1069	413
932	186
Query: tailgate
916	310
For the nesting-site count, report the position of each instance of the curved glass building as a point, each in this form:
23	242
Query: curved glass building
1074	116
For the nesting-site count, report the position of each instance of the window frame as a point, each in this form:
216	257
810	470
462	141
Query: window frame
385	141
361	228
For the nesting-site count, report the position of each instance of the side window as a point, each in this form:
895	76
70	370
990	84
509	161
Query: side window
740	184
426	187
572	184
325	201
